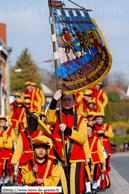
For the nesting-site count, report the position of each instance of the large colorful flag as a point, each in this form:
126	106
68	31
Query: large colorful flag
84	55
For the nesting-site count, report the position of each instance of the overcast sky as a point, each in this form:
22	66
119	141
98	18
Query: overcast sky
28	27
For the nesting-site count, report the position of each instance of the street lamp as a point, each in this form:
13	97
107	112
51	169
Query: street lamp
17	70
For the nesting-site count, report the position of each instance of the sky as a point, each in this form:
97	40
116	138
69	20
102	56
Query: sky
28	27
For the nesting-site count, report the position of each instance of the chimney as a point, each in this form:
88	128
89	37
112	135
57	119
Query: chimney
119	85
3	32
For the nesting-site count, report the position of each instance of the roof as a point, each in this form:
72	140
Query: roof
46	90
120	91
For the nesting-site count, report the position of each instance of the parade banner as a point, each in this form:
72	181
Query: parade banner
84	55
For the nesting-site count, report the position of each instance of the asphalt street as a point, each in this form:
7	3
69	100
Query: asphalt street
121	164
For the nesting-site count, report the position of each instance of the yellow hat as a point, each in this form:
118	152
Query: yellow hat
99	83
19	101
1	125
91	114
27	83
91	101
27	101
98	114
33	84
1	118
41	140
87	92
26	96
17	94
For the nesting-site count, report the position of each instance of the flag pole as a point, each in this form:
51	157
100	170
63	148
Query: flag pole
57	82
80	6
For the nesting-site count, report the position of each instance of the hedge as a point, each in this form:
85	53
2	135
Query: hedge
120	139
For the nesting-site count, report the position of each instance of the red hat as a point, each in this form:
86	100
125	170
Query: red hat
64	29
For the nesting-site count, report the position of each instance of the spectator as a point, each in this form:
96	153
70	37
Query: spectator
113	147
126	145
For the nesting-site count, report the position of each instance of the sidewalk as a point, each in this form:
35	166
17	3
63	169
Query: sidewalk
120	154
118	184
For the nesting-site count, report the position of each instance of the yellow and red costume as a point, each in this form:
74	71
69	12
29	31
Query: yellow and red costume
27	101
34	98
97	156
78	98
3	139
17	119
23	149
47	170
83	106
76	136
14	104
87	156
100	97
39	91
108	134
8	150
41	95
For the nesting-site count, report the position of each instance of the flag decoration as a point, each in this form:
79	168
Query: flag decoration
84	55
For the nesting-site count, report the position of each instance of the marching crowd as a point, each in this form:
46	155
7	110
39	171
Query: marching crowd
37	152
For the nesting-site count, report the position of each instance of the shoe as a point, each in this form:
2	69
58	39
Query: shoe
98	189
94	191
88	193
1	188
103	190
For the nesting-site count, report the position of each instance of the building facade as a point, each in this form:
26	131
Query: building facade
4	72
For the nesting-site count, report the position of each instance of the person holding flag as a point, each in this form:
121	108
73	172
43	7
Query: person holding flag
74	128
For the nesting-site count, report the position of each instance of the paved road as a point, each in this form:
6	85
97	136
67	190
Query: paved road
121	164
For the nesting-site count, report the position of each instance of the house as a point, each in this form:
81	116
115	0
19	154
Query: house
4	71
120	88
